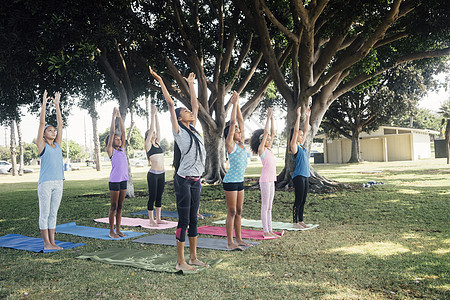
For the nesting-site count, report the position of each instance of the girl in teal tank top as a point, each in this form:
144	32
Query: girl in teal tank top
233	182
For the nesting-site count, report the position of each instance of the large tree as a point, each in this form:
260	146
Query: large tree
367	108
210	39
329	38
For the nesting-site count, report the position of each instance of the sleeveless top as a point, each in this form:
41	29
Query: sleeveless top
51	164
154	150
269	170
119	171
301	162
238	164
191	162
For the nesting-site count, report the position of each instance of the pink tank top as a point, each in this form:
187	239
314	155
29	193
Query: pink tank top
269	170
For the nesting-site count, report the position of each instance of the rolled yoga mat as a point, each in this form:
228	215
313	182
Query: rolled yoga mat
138	222
208	243
275	225
245	233
164	214
93	232
21	242
143	259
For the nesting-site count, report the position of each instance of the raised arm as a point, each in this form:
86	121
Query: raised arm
293	143
123	135
240	121
272	129
148	140
194	101
306	126
266	132
169	100
59	120
229	142
112	131
158	130
40	143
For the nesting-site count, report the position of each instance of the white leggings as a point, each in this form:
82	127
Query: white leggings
267	193
50	194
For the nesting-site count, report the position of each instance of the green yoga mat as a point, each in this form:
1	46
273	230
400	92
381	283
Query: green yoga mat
143	259
275	225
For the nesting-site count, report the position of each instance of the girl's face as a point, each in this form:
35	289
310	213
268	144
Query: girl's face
117	142
186	116
300	136
50	133
237	134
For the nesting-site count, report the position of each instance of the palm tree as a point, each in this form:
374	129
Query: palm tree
444	110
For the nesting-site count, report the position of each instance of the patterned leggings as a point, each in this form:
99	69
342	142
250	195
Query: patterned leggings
267	193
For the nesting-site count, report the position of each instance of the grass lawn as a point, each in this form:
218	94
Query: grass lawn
384	242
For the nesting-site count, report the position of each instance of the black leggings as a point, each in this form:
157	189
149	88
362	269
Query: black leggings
188	200
155	184
301	186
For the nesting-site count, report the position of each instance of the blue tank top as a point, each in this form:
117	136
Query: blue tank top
301	163
51	164
238	164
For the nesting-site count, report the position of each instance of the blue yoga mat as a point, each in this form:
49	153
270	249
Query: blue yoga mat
21	242
208	243
93	232
164	214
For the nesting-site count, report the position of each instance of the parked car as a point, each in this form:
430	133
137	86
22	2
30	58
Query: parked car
5	167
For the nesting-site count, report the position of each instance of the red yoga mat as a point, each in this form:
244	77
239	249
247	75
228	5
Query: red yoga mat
245	233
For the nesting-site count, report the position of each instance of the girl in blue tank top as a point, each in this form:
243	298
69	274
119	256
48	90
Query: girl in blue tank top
51	174
301	172
233	182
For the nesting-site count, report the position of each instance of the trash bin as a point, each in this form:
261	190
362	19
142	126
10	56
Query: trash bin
318	158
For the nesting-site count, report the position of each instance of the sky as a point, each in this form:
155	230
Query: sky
79	127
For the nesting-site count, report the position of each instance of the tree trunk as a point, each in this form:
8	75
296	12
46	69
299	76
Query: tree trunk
215	157
96	141
447	140
13	149
355	157
19	134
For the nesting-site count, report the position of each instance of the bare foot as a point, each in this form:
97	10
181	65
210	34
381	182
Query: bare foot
51	247
113	235
200	216
234	247
120	233
185	267
273	234
197	262
303	224
153	223
244	243
57	247
267	234
161	222
297	225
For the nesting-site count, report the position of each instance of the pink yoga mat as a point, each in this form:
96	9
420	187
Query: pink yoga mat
245	233
144	223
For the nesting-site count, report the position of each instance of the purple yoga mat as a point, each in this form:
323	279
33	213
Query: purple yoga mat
136	222
245	233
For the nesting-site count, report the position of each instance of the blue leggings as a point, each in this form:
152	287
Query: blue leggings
188	201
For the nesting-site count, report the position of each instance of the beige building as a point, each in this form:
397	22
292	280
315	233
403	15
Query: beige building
385	144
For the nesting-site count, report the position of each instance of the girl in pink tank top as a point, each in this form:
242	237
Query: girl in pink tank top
260	143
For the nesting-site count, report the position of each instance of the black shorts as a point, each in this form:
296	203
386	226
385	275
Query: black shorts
117	186
233	186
